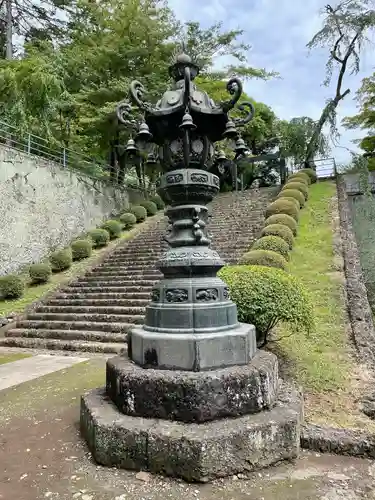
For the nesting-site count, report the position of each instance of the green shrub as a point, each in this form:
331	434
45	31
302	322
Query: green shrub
266	296
299	186
281	206
283	219
40	273
311	173
290	198
266	258
158	201
114	228
99	237
81	249
11	287
61	260
293	193
273	243
300	176
281	231
139	212
128	220
150	207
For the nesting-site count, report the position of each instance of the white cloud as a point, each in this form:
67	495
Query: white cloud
278	32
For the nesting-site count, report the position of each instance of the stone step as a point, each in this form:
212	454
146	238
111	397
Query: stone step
134	304
124	269
92	336
128	260
132	257
86	309
109	274
63	345
74	294
128	277
87	317
74	325
84	282
108	289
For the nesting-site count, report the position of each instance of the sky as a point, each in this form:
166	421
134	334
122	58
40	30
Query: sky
278	31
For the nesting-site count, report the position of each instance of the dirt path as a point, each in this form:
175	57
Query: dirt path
42	456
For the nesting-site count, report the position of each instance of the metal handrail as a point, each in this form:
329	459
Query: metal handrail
29	143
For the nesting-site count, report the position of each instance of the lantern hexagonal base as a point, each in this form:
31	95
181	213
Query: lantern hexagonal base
194	452
193	351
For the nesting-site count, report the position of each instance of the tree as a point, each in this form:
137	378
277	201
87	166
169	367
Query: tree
31	19
295	137
343	33
365	119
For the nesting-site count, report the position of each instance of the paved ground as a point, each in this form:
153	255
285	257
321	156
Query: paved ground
42	456
17	372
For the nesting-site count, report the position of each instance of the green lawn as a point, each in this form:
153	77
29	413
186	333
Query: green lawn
320	360
33	293
12	356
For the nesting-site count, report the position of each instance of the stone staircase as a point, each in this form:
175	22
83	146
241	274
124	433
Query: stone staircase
95	312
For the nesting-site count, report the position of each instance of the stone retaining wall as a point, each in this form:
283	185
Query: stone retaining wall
358	305
43	207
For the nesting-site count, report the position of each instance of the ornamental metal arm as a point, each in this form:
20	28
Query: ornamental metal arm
240	122
124	113
137	91
234	87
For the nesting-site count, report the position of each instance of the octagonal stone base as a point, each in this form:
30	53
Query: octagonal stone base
193	396
194	452
195	351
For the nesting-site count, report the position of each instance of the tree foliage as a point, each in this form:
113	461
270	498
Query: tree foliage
344	32
74	68
365	118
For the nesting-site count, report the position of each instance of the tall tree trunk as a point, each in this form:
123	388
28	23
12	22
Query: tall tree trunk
9	30
330	108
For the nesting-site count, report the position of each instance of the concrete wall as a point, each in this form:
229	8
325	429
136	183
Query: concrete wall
43	207
354	183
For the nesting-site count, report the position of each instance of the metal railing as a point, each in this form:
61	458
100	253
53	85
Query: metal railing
66	158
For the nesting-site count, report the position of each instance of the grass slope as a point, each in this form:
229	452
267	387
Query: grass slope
322	362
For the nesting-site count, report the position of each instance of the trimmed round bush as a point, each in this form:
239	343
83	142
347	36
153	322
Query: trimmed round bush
291	199
299	186
150	207
282	206
283	219
266	258
266	296
40	273
61	260
11	287
128	220
301	176
114	228
273	243
281	231
81	249
99	237
311	173
293	193
158	201
139	212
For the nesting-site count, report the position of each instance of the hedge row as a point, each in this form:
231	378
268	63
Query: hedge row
264	293
277	237
12	286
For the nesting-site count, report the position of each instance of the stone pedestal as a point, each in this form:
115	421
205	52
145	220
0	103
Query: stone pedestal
193	425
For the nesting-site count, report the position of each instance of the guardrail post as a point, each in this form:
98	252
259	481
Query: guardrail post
64	157
29	143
